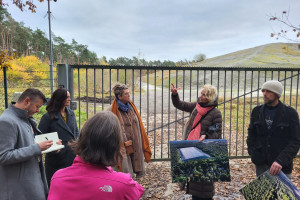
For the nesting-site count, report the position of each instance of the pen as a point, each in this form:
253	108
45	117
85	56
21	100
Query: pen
46	138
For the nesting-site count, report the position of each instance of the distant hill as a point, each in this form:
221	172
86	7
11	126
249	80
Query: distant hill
269	55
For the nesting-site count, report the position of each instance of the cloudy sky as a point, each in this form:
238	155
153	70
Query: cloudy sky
161	29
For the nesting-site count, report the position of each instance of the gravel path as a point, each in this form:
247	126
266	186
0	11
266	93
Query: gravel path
158	182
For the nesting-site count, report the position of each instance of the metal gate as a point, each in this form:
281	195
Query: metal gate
238	89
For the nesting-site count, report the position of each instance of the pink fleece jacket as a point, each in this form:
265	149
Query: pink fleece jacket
84	181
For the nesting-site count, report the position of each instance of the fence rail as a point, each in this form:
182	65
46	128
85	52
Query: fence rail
238	89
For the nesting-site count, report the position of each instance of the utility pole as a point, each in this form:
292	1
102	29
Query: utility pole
51	50
188	62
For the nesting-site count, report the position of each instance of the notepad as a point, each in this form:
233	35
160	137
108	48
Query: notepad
49	136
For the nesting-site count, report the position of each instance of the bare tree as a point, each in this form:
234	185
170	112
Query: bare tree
288	30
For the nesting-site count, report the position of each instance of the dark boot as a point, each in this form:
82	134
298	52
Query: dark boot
197	198
181	185
203	190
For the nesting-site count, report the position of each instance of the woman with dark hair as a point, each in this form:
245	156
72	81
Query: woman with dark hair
205	122
90	176
61	119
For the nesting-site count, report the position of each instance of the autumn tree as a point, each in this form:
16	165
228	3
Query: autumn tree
28	69
5	59
21	4
103	61
20	40
288	30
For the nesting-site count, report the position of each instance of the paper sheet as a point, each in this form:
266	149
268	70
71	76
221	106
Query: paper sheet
49	136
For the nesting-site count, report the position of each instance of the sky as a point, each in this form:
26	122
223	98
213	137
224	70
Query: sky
161	29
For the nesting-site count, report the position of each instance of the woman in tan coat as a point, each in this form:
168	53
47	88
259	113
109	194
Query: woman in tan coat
205	123
136	146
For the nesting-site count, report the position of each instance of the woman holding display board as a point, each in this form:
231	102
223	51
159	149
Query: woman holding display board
205	122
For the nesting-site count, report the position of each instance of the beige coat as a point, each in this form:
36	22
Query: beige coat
133	163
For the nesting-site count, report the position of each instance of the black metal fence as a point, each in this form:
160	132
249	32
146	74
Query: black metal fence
238	89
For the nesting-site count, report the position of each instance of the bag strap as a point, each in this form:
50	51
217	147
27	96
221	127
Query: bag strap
202	118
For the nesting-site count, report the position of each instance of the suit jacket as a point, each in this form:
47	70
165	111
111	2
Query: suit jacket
20	173
280	144
66	132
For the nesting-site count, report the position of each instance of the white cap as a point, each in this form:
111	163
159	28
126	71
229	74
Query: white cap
273	86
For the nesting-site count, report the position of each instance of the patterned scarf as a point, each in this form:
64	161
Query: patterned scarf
201	111
124	107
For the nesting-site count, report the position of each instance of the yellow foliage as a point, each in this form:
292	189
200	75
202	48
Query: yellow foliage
85	63
102	62
28	69
5	59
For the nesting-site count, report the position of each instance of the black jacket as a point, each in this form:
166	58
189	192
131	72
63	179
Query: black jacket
66	132
280	144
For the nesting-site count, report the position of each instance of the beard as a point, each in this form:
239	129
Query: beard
269	101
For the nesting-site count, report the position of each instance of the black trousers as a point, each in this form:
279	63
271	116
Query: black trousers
203	190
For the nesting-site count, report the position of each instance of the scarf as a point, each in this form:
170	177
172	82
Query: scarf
124	107
201	111
145	140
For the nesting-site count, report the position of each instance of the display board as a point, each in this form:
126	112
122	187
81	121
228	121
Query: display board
205	161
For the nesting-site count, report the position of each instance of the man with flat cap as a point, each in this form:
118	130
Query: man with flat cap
273	134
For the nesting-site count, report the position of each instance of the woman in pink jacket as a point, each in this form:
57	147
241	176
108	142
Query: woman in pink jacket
90	176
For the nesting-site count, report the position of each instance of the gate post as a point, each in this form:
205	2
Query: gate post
5	86
65	80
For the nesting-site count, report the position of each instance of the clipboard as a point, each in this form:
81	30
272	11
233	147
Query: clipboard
49	136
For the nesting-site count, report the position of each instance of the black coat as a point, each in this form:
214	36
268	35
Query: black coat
66	132
280	144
